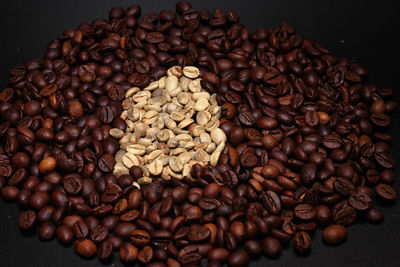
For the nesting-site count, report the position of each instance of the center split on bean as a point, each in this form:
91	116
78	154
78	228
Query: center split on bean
172	124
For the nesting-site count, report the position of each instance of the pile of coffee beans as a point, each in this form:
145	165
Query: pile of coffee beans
306	141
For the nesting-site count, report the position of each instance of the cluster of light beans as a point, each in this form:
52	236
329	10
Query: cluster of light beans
306	142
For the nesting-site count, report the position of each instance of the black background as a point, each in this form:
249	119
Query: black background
366	31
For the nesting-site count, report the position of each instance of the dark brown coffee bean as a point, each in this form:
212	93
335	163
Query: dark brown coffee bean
105	251
271	202
238	258
128	253
80	229
189	255
343	214
246	118
27	220
384	159
334	234
99	234
360	201
85	248
64	235
380	119
271	247
343	186
302	242
374	216
304	212
386	192
146	255
248	160
140	238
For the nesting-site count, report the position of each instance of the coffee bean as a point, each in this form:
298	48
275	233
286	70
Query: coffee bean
334	234
85	248
304	212
238	258
343	186
218	254
302	242
271	202
47	231
64	235
27	220
253	248
343	213
360	201
374	216
271	247
246	118
140	237
146	255
386	192
128	253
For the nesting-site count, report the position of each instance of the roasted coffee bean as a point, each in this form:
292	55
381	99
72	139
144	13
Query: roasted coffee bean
246	118
304	212
105	251
27	220
140	237
360	201
189	255
218	254
253	248
271	247
128	253
386	192
99	234
47	231
343	214
334	234
85	248
271	202
238	258
302	242
343	186
64	235
146	255
80	229
374	216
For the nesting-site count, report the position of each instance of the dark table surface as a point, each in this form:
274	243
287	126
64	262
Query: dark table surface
365	31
